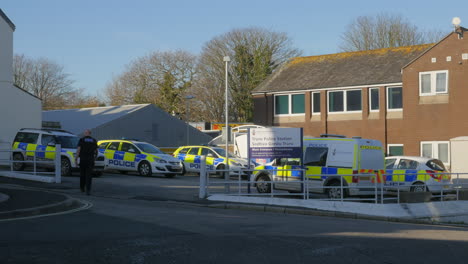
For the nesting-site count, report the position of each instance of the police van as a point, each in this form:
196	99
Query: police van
215	160
39	144
360	163
136	156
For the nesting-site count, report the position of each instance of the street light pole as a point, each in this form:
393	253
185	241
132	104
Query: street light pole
226	174
187	117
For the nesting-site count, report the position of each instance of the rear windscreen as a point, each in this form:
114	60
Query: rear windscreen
435	164
315	156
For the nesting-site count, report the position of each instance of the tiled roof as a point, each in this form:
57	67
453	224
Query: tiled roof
371	67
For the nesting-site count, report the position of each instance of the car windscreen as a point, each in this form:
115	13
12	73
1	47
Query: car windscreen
436	164
148	148
67	141
222	152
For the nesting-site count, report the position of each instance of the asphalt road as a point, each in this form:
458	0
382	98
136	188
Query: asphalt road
159	220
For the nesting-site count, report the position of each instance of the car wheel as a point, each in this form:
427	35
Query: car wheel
144	169
419	187
219	171
263	184
18	166
183	170
334	191
66	167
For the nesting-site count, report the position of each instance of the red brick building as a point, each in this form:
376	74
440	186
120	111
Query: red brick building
413	99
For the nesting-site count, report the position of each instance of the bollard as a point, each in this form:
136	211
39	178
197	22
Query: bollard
202	192
58	164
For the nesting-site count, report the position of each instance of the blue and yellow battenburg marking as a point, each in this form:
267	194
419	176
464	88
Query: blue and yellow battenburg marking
41	151
399	177
123	159
194	161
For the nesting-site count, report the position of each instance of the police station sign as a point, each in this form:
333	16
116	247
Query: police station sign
271	143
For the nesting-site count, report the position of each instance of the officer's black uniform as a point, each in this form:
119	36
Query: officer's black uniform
87	155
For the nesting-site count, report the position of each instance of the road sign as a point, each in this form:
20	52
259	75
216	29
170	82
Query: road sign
278	142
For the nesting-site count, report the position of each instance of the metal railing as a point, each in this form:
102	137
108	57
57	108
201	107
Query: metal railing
31	164
370	190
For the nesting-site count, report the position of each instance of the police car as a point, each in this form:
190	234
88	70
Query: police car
30	142
416	174
359	161
135	156
215	160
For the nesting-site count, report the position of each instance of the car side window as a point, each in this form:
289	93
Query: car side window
406	164
193	151
46	139
183	151
316	156
389	163
113	146
25	137
127	147
103	145
208	152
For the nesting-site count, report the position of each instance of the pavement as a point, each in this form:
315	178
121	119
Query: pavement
19	202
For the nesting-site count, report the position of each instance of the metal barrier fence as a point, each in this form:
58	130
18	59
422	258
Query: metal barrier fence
369	191
32	160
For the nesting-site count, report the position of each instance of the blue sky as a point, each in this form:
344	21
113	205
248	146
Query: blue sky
95	39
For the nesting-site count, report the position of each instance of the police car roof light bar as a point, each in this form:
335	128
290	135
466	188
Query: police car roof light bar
331	135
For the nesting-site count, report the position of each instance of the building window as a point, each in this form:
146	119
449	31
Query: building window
394	98
289	104
344	101
395	150
298	103
315	102
432	83
281	104
374	99
437	150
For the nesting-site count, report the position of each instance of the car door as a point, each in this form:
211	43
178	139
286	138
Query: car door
212	158
112	156
47	146
192	160
129	154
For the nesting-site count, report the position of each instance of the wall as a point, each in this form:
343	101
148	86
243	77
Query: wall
441	117
6	54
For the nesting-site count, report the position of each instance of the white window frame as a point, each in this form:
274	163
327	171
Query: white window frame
435	149
370	99
345	104
289	105
433	75
387	103
394	145
312	102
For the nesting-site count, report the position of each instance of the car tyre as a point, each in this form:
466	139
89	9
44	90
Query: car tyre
334	191
17	166
219	171
263	185
66	167
144	169
419	187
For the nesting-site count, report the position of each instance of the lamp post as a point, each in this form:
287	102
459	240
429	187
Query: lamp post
226	59
187	117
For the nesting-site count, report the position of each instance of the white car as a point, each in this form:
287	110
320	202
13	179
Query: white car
416	174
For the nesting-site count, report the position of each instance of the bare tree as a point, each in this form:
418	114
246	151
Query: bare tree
161	78
43	78
255	53
384	31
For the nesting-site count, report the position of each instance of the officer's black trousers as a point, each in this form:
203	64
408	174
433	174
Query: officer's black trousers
86	177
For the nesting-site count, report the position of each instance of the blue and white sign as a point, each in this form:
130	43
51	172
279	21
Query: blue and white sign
278	142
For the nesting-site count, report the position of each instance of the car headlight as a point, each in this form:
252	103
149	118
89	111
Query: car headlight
160	161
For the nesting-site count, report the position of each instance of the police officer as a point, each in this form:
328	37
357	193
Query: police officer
86	152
